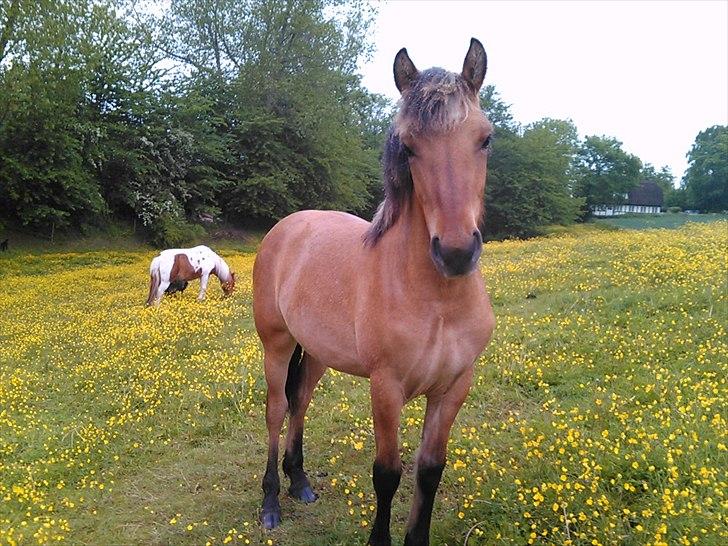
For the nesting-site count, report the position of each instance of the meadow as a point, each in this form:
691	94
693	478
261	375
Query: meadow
663	220
597	414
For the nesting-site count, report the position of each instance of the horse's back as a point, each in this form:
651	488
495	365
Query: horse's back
199	249
306	241
326	226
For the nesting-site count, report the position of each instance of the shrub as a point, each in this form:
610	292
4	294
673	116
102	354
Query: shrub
173	231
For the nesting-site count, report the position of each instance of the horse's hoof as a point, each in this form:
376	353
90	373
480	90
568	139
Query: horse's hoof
307	495
270	520
304	494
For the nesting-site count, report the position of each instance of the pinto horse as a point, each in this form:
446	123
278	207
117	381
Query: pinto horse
399	300
173	268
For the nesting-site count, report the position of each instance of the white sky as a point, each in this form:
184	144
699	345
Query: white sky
651	74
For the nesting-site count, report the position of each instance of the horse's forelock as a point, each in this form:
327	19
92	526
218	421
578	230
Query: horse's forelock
435	102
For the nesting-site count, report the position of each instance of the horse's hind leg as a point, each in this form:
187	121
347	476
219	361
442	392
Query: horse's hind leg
163	285
302	379
278	350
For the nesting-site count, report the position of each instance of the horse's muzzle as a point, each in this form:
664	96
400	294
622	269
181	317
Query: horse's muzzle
454	261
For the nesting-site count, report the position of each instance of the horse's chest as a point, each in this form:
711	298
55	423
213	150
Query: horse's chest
449	350
437	348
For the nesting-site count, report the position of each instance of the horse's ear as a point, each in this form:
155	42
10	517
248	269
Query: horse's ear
404	70
475	65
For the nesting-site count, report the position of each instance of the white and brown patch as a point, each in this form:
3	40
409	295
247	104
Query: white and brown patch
183	270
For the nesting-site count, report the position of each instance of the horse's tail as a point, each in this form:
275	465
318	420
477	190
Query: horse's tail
154	281
293	381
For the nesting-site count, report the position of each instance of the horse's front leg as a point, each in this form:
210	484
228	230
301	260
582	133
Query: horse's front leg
439	417
203	286
387	402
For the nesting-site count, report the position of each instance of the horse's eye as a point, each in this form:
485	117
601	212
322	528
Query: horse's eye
407	151
486	143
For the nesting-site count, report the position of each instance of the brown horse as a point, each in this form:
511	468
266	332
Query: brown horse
400	301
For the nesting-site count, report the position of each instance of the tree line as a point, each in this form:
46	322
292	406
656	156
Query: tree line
165	113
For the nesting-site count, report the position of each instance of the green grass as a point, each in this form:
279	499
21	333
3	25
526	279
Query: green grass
620	359
121	237
666	220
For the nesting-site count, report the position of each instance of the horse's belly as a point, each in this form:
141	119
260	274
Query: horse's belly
315	254
331	346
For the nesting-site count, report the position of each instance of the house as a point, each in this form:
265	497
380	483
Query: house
644	199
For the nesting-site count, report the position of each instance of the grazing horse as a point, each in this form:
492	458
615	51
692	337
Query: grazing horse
173	268
399	300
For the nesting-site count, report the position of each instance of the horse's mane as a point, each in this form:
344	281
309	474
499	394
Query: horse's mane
434	103
222	270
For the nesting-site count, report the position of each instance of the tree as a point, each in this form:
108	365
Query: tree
44	173
498	111
256	112
529	180
604	173
44	180
706	179
677	198
529	172
294	106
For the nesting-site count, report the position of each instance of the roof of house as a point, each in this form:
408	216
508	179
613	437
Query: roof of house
647	193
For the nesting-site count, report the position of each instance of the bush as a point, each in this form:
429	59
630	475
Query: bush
673	210
173	231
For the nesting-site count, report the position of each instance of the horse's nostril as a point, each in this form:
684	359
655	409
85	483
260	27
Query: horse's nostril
436	248
454	261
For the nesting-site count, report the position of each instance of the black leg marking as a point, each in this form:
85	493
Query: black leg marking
386	482
293	379
293	458
293	468
428	480
270	514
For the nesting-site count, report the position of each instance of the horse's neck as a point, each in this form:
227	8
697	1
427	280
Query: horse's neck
409	246
221	269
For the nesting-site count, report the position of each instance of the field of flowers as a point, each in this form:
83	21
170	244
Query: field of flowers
597	416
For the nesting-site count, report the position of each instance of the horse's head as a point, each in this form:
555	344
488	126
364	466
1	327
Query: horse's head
229	286
435	158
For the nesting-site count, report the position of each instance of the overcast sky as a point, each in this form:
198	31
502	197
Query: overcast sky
651	74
